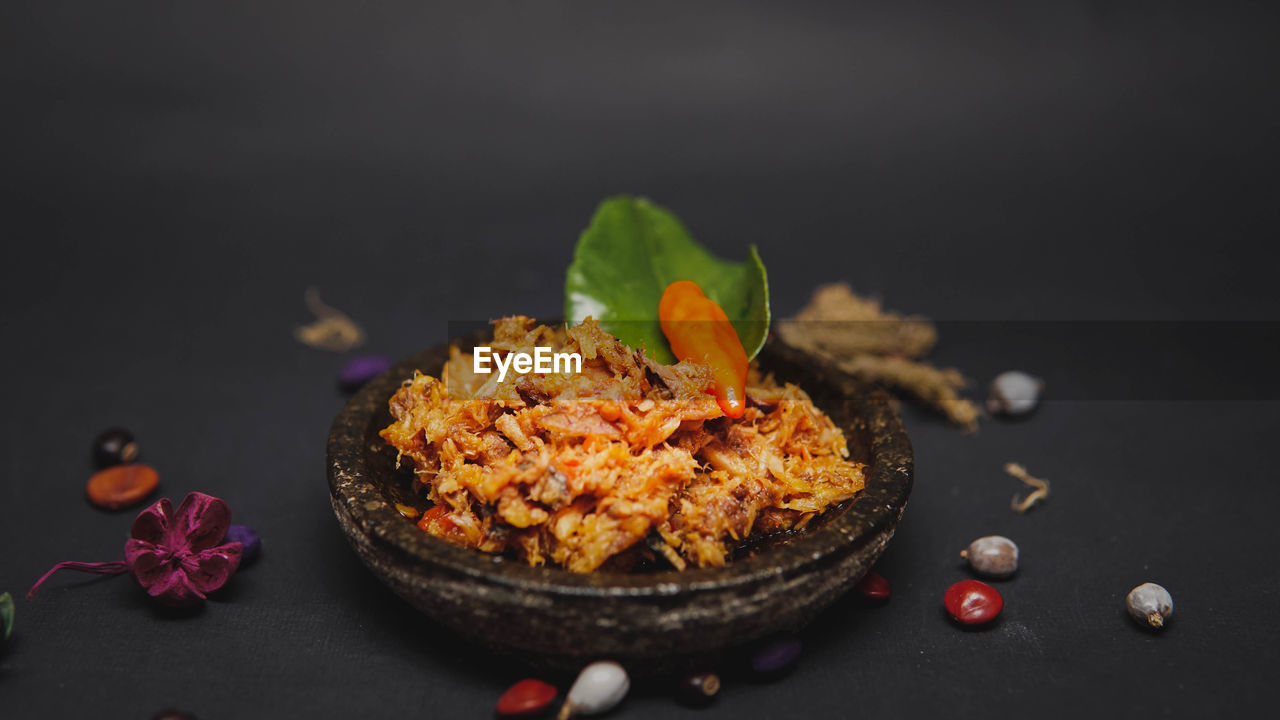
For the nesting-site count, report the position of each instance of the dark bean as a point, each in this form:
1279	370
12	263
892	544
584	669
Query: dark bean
699	689
114	446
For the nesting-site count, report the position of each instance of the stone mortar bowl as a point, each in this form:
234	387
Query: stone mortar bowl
554	617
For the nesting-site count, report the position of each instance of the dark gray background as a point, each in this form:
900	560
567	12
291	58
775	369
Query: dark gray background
175	174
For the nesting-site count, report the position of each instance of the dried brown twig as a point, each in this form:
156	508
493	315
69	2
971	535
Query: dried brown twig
1036	496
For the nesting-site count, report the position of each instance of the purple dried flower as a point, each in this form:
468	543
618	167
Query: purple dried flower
250	543
776	657
177	556
362	369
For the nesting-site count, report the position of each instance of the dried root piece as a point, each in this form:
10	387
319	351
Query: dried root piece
332	329
935	387
839	322
1039	494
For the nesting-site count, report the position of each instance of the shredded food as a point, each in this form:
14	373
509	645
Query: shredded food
624	461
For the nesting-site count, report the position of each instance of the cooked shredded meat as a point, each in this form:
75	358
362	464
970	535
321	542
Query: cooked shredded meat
625	459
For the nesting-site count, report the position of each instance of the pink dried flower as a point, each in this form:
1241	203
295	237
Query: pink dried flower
177	556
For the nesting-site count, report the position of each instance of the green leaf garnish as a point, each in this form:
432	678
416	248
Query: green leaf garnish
628	256
6	615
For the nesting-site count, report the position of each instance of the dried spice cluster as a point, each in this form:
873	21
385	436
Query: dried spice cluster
880	346
579	469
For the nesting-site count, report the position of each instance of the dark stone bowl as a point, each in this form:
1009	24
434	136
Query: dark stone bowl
556	617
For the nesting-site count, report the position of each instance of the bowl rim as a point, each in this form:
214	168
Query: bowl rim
889	479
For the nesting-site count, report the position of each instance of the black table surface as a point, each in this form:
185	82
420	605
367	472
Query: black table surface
175	175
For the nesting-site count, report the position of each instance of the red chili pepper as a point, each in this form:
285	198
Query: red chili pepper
437	522
698	330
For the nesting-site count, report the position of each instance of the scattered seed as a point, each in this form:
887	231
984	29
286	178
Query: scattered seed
1149	604
360	370
1038	495
408	511
972	602
599	687
6	617
1014	393
250	543
873	586
776	657
120	486
114	446
527	697
699	689
993	556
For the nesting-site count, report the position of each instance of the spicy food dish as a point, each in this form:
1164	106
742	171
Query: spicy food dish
628	461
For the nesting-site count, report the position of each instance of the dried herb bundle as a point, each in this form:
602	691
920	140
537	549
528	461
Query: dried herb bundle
863	339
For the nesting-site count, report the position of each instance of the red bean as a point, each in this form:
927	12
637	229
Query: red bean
972	602
873	586
527	697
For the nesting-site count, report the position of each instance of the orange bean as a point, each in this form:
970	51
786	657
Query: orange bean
120	486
